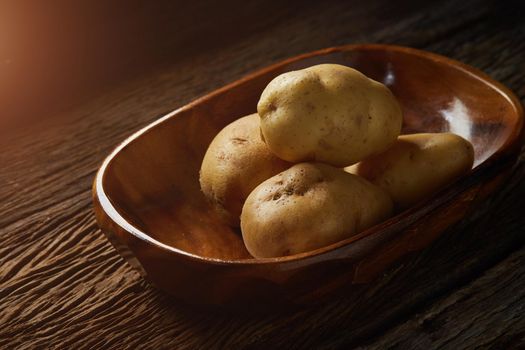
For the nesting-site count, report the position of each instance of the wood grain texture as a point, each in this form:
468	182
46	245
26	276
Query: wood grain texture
471	317
63	286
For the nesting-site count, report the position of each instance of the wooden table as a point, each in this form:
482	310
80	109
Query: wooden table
62	285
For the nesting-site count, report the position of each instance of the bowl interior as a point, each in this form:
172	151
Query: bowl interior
152	180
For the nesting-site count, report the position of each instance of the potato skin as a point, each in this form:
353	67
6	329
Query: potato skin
309	206
328	113
236	161
417	166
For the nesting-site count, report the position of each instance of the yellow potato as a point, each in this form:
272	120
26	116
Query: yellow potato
417	166
309	206
328	113
236	161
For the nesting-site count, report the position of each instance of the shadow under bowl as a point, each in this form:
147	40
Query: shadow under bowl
148	201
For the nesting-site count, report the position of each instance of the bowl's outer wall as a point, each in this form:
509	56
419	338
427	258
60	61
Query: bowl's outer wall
152	182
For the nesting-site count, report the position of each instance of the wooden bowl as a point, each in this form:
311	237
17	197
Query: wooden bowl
149	204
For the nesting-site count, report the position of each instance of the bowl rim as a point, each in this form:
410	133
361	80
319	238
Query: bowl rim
419	210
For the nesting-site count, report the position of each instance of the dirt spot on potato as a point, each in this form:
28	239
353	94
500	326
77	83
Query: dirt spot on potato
310	107
325	145
272	107
289	189
222	156
238	140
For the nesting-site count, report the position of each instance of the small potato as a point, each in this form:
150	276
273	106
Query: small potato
309	206
236	161
328	113
417	166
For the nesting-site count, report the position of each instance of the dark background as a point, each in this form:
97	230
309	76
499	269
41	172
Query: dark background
55	54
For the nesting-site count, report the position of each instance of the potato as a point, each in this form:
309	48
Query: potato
236	161
328	113
417	166
309	206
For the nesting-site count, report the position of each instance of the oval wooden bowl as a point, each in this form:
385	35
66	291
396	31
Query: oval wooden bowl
149	204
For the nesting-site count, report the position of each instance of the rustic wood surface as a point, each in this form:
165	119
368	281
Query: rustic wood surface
62	285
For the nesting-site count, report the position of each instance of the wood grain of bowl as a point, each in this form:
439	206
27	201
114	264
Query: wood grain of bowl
148	202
